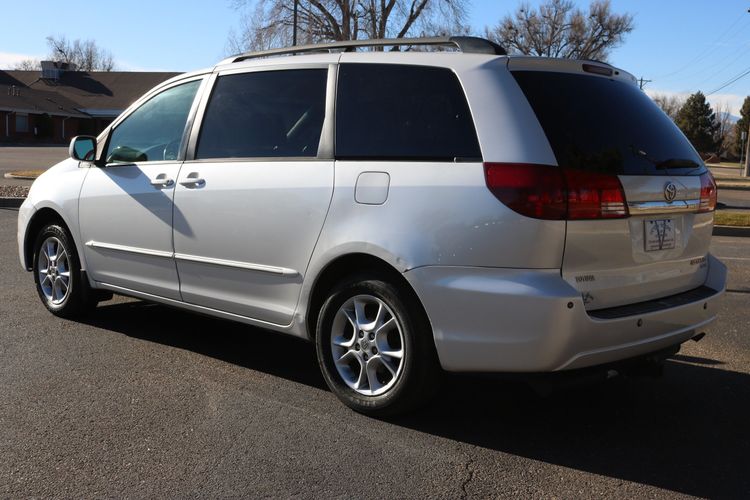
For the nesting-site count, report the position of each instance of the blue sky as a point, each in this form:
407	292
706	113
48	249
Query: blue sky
682	45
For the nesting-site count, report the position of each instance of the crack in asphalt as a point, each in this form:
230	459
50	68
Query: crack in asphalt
469	469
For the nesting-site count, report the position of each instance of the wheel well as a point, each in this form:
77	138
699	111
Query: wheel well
40	219
348	265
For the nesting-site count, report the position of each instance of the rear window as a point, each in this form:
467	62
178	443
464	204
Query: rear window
603	125
398	112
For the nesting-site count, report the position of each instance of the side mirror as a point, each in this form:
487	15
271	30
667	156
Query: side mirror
83	148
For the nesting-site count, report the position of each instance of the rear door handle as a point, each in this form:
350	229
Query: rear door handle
162	181
193	180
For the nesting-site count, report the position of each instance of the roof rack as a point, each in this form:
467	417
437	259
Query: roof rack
466	44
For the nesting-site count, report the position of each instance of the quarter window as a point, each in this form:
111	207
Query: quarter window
265	114
154	131
388	111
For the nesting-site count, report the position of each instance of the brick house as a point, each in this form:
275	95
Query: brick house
58	103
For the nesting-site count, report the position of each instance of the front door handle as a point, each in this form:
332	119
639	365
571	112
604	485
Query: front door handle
162	181
193	179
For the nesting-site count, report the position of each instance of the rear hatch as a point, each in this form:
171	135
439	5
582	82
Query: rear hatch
650	235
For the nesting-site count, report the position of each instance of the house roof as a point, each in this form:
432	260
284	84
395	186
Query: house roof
26	100
95	93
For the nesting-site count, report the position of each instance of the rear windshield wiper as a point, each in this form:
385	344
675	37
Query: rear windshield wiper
677	163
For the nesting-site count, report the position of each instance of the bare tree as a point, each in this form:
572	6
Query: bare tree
558	29
28	65
670	104
269	23
257	30
723	135
85	54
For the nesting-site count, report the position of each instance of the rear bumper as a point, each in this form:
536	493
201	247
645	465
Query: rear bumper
515	320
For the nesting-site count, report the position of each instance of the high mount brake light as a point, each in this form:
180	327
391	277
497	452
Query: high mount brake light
599	70
553	193
708	193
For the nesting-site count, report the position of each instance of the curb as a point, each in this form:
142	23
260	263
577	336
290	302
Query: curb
721	185
741	231
11	202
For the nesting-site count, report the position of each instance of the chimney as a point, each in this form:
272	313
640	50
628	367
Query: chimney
53	70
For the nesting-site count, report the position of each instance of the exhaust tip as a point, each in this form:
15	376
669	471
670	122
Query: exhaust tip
699	337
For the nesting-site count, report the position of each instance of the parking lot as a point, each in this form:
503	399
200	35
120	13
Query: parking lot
141	400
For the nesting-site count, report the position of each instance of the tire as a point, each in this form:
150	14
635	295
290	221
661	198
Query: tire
365	324
57	274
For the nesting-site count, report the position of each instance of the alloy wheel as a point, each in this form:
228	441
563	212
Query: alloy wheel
367	345
53	268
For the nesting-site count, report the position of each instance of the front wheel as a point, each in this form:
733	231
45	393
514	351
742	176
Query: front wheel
57	274
375	348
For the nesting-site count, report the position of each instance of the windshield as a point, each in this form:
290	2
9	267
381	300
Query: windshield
604	125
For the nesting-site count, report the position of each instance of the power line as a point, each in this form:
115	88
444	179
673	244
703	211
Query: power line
708	50
743	74
723	63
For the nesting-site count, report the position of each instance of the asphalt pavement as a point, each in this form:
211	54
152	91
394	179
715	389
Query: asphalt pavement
28	158
140	400
734	198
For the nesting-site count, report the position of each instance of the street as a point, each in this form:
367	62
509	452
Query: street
28	158
141	400
735	198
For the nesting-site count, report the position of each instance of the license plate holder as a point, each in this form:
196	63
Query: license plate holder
659	234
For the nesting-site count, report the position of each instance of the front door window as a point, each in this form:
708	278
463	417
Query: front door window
154	131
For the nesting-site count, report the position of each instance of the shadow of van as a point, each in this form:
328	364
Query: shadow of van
687	432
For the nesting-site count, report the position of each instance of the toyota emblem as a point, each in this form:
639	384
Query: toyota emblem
670	192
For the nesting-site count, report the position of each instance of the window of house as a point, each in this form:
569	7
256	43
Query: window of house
22	122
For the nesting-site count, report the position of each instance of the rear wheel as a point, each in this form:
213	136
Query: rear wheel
375	347
57	274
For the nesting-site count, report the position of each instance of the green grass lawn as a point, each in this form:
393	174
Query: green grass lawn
729	218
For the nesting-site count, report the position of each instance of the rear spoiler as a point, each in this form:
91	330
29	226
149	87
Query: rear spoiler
557	65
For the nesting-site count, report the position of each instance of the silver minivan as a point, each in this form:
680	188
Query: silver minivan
409	212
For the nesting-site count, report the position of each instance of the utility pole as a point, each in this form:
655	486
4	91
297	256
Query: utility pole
294	28
746	170
642	83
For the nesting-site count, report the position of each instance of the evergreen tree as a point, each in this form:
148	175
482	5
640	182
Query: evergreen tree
741	125
698	122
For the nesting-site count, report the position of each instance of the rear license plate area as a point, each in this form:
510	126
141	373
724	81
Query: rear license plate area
659	234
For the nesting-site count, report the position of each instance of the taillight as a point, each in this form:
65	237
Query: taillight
532	190
549	192
592	195
708	193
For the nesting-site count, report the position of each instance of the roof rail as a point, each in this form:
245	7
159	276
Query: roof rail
466	44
